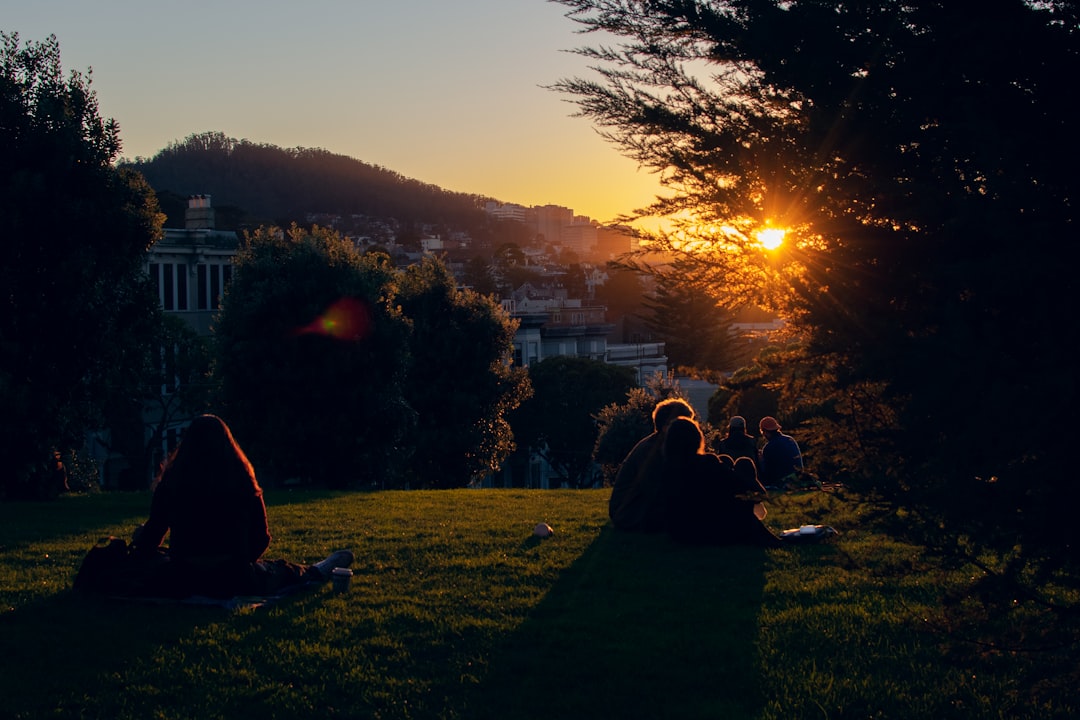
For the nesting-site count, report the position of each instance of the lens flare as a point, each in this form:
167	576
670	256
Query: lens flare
346	319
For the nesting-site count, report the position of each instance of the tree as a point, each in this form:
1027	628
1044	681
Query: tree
559	420
620	426
79	321
907	157
574	281
695	329
624	297
460	384
311	355
183	386
478	275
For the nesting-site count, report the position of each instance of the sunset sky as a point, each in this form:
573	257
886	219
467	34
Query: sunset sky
448	93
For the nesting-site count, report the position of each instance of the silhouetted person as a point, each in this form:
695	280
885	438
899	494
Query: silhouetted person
56	474
709	501
208	500
637	500
781	460
737	444
748	486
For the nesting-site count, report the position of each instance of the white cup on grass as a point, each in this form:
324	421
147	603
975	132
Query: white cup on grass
342	578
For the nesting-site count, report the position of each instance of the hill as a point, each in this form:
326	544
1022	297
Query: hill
255	183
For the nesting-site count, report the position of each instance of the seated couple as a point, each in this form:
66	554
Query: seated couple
669	483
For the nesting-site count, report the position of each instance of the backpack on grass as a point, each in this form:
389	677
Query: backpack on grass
112	568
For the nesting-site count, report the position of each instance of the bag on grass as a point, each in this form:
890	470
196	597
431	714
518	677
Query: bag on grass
112	568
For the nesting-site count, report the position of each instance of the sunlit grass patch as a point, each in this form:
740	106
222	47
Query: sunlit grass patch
457	611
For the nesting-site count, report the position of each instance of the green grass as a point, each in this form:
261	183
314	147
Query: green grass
456	611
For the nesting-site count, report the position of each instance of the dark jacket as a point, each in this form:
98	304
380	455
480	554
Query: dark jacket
703	507
638	499
738	444
780	458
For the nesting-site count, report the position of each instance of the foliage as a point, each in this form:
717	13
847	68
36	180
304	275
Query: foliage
279	185
906	201
183	386
79	321
460	382
479	277
311	357
621	425
623	294
457	611
559	420
695	330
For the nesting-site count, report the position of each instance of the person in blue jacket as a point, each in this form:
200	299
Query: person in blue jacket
781	461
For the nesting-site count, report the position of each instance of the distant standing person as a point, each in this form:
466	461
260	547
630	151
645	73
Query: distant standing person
637	500
57	474
781	460
737	444
208	500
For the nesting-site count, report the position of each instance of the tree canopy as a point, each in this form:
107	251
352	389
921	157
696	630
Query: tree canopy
311	360
79	321
921	158
460	382
272	184
339	369
559	420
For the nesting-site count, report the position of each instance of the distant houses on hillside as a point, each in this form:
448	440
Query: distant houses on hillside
192	266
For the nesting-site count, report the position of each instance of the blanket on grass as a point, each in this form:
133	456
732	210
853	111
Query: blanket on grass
112	570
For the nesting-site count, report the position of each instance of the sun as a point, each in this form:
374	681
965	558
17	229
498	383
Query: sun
770	238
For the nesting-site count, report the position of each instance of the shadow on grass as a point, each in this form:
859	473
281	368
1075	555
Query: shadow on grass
70	641
78	656
649	628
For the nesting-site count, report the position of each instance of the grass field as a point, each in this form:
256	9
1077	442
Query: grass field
457	611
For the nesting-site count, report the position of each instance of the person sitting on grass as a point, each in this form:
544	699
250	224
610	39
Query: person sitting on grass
781	461
707	503
637	499
737	444
208	500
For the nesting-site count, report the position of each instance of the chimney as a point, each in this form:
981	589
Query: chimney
199	214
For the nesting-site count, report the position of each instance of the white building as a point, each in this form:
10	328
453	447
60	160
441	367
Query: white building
192	266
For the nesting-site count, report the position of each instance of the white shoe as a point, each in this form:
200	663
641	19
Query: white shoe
341	558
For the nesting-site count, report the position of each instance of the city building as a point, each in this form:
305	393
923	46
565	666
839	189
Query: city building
191	267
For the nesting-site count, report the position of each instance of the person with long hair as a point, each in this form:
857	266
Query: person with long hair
709	503
207	499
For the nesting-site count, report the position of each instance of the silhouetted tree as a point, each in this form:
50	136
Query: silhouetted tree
918	167
459	382
312	359
264	183
621	425
79	321
559	422
624	297
695	329
478	275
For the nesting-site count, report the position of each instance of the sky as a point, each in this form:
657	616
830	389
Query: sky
447	93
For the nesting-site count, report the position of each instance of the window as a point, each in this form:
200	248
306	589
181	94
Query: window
155	278
215	285
181	287
168	300
202	287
